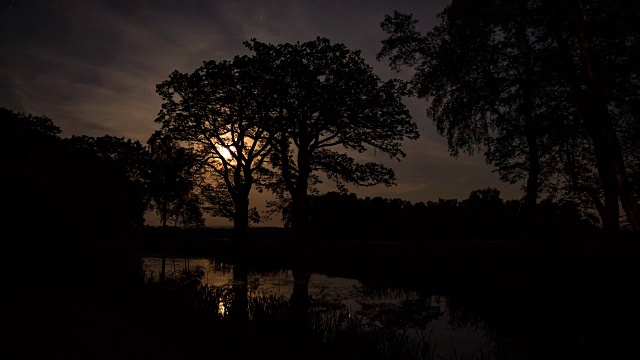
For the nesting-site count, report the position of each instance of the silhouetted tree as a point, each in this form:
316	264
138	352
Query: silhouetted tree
69	201
597	47
25	132
485	212
487	79
30	145
129	160
219	112
504	74
174	179
575	166
325	102
483	215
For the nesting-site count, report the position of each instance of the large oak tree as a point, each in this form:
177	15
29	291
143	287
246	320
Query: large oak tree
219	112
329	105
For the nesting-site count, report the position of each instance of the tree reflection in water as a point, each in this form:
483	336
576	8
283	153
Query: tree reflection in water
260	320
508	322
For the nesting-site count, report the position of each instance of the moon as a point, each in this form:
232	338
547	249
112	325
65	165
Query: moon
224	152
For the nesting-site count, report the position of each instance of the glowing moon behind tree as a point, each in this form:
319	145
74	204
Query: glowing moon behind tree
224	152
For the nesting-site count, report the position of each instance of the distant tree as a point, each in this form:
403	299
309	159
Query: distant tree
174	182
29	148
485	212
325	102
562	218
121	165
191	214
335	213
79	189
26	129
220	113
66	202
24	138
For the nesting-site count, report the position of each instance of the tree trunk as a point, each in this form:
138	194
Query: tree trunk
163	214
595	198
609	212
300	216
301	211
241	221
610	215
533	180
601	124
530	128
533	154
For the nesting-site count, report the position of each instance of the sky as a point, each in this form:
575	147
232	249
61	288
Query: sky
93	66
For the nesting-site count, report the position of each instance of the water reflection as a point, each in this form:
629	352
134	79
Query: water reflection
420	315
239	308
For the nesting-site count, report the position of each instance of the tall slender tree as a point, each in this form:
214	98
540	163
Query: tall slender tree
595	95
486	76
502	74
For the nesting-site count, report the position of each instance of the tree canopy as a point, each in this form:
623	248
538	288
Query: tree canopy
514	78
327	105
68	198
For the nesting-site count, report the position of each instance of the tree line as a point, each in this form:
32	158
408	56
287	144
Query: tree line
79	186
484	215
547	90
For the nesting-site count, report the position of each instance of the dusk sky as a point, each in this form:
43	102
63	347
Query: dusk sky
92	67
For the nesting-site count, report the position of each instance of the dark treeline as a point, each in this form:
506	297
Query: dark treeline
483	215
278	119
90	190
73	186
66	200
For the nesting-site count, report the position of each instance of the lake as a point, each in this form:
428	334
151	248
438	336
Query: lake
466	300
386	306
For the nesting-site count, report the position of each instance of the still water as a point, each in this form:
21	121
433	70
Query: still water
418	314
